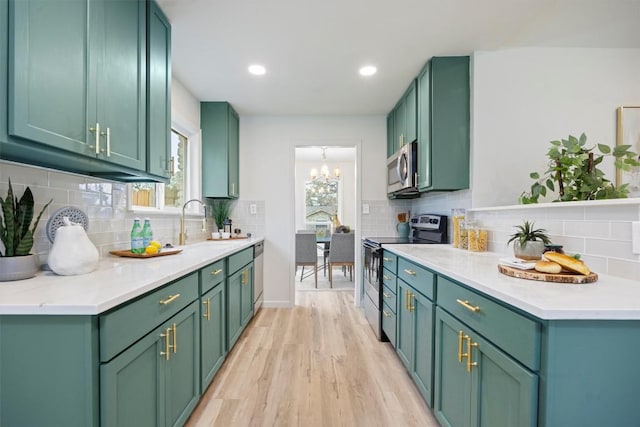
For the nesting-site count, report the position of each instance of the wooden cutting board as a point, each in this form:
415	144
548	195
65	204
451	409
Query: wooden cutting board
547	277
230	238
129	254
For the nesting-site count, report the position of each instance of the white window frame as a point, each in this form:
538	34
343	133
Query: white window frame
193	186
314	224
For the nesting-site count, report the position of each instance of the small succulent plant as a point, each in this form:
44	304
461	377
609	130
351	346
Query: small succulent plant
526	233
16	231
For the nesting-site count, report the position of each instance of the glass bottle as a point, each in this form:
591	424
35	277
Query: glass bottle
457	216
147	233
136	237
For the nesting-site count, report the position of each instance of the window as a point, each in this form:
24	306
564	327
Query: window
322	201
171	195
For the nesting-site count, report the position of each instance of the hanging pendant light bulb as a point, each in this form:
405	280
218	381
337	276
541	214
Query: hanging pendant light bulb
324	169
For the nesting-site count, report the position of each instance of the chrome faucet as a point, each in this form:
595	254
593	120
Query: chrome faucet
183	236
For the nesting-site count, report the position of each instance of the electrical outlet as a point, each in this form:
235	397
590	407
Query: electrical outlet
253	209
365	208
635	237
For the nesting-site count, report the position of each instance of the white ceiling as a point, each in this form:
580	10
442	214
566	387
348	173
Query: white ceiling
313	49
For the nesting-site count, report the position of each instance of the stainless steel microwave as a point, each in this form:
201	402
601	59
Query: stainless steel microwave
402	170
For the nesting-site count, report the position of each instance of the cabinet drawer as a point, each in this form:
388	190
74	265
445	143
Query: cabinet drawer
389	297
421	279
389	323
390	281
390	261
239	260
126	324
211	275
509	330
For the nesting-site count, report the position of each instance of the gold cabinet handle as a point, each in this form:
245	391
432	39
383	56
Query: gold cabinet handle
412	298
461	355
170	299
233	189
166	337
108	142
386	295
468	306
216	272
406	300
175	338
409	272
245	277
385	259
385	313
470	344
207	303
97	132
385	277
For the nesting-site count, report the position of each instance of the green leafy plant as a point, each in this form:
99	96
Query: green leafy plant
220	209
16	232
526	233
573	170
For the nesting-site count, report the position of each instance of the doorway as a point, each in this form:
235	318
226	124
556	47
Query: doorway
327	189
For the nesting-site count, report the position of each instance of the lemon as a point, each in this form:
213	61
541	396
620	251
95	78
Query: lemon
151	249
155	243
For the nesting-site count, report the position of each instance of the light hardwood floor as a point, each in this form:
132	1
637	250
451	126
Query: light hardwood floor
317	364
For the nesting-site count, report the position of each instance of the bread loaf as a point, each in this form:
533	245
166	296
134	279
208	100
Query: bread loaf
547	267
567	262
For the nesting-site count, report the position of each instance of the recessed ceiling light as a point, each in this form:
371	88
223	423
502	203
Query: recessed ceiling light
257	70
368	70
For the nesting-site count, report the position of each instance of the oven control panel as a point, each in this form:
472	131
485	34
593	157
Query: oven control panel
429	222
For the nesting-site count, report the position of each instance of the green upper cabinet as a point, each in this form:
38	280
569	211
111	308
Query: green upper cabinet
77	74
402	121
220	150
443	124
158	91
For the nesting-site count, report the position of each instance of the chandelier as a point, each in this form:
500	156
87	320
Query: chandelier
324	169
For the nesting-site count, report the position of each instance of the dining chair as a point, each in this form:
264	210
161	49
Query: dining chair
341	253
307	253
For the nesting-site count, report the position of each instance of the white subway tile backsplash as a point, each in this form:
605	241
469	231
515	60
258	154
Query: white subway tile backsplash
609	249
620	231
624	268
613	213
567	213
598	229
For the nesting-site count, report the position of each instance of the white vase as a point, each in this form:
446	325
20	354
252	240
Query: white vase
531	250
18	267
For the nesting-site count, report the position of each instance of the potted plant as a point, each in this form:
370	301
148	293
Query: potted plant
528	243
16	233
220	208
573	170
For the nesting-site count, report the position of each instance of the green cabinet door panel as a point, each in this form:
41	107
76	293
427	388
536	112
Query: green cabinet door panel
443	124
234	308
212	332
246	311
452	394
399	123
49	371
404	318
158	91
410	114
144	386
49	59
391	134
422	370
220	145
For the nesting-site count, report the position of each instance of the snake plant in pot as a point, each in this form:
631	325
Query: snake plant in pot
528	242
16	233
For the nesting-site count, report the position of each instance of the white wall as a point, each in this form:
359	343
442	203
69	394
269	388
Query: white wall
524	98
267	145
185	108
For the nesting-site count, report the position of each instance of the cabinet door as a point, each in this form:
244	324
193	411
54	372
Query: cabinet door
234	308
424	128
410	111
422	370
504	394
120	27
391	139
212	332
234	154
182	390
49	59
131	385
404	317
399	119
158	91
247	294
452	388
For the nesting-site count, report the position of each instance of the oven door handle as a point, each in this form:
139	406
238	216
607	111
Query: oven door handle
372	247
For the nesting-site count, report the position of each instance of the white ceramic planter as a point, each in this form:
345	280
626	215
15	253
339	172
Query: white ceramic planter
18	267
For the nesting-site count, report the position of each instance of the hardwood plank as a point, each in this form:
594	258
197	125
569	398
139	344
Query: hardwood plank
317	364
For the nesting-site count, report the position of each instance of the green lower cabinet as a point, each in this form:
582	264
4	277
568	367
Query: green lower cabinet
239	302
478	385
212	332
414	341
246	298
156	382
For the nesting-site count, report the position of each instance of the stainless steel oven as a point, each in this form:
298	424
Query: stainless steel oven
425	229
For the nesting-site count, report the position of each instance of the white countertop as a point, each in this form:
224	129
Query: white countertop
115	281
610	298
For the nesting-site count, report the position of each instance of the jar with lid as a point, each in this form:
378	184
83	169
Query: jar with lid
463	242
457	217
478	241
